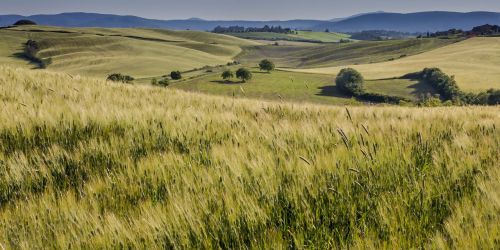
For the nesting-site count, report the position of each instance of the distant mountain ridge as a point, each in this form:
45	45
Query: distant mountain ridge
78	19
412	22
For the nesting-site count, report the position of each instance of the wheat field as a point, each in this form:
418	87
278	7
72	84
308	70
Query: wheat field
92	164
474	63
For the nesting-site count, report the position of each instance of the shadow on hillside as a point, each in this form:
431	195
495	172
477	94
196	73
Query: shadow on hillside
421	88
22	56
332	91
226	82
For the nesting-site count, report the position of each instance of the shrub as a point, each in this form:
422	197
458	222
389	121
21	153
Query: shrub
350	81
375	97
227	74
244	74
430	102
489	97
266	65
31	49
117	77
164	82
176	75
24	22
154	82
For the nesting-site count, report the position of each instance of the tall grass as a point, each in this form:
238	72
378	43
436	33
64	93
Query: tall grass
88	164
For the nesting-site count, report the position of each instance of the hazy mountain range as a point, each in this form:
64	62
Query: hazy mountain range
411	22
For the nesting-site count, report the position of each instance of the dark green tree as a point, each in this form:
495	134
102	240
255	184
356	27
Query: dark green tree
227	74
350	81
176	75
244	74
266	65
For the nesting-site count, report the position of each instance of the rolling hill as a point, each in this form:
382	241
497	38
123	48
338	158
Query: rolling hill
301	36
473	62
322	55
137	52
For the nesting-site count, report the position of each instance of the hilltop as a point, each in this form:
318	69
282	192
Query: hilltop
101	51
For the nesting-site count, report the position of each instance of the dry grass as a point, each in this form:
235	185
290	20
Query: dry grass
474	63
90	164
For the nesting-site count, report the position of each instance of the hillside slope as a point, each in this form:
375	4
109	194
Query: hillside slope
341	54
473	62
91	164
137	52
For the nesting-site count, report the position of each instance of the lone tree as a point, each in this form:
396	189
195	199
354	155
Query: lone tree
266	65
176	75
244	74
350	81
227	74
24	22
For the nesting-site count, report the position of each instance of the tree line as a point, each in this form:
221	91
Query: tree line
482	30
241	29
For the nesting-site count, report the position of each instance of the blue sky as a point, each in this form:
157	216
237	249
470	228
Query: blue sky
241	9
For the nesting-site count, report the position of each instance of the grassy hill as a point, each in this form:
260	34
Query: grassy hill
279	85
341	54
137	52
297	87
304	36
473	62
92	164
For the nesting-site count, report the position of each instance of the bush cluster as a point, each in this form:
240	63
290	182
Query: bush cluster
448	88
117	77
375	97
162	82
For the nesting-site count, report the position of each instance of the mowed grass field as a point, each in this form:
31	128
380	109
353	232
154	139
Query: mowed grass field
340	54
92	164
137	52
474	63
324	37
278	85
297	87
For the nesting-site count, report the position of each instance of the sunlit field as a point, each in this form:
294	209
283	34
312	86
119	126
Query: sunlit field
474	63
92	164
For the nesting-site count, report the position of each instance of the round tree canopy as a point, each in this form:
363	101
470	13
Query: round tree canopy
25	22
